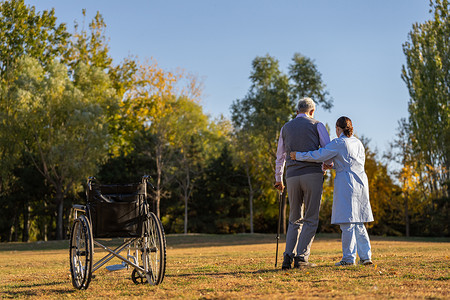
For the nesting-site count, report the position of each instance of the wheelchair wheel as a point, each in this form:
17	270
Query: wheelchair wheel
153	253
81	253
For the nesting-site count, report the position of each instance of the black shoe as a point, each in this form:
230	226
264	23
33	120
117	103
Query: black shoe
344	264
299	262
287	261
366	262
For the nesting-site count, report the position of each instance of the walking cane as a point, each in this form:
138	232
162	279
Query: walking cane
280	200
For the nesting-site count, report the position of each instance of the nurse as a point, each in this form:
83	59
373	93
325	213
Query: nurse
351	206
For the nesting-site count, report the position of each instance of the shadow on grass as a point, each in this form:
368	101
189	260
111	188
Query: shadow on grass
232	273
275	270
21	290
35	246
181	241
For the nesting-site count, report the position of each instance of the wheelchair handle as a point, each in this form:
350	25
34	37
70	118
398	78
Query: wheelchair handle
146	179
89	182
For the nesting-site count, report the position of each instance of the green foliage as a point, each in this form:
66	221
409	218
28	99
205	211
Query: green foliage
61	118
267	105
23	31
307	81
61	122
189	126
27	203
90	48
427	76
220	204
130	167
421	146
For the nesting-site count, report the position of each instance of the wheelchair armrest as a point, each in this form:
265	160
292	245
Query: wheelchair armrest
79	207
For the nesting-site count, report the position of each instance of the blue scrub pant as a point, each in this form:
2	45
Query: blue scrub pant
355	239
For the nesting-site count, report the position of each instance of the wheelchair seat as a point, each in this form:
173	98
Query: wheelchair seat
116	210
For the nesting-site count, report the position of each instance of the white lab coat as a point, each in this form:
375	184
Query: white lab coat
351	188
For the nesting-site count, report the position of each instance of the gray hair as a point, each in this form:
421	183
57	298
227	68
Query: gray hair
305	105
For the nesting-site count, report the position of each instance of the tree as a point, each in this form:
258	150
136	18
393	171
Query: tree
91	48
27	32
61	122
307	81
267	105
427	77
258	117
28	202
247	157
23	31
422	214
148	105
190	126
144	107
411	191
383	193
219	204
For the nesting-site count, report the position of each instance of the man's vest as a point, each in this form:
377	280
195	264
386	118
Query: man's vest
301	135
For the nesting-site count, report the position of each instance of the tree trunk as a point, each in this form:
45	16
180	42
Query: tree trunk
26	223
13	230
251	212
15	236
405	202
158	179
158	199
59	197
185	213
186	190
250	197
45	224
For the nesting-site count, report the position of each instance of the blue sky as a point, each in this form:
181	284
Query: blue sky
356	45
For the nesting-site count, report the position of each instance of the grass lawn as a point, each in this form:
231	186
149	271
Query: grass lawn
238	266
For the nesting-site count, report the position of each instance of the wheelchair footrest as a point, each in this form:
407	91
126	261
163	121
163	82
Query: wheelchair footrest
116	267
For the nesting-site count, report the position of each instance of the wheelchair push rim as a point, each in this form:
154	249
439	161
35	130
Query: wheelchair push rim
152	247
81	253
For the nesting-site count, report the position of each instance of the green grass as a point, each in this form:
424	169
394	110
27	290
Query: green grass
238	266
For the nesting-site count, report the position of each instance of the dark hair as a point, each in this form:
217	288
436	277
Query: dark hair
346	124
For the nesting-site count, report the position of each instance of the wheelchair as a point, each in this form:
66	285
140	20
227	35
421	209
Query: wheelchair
117	211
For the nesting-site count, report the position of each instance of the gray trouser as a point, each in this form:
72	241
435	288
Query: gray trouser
304	190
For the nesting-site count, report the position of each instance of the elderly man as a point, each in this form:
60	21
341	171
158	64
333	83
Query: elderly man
304	181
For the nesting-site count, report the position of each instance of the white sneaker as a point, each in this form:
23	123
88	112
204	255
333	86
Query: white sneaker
365	262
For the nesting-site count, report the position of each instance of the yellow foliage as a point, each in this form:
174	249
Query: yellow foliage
149	100
410	178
